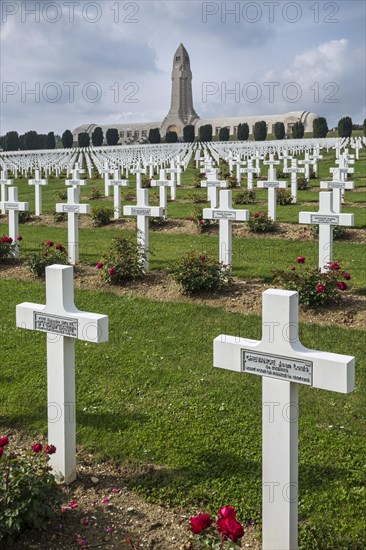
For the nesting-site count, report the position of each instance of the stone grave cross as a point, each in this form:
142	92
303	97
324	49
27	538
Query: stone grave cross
307	161
250	170
75	181
226	214
272	185
143	211
326	217
117	183
4	182
283	363
338	186
13	207
213	184
163	183
294	169
106	171
73	208
38	182
63	324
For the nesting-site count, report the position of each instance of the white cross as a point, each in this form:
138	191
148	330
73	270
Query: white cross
338	185
316	156
73	209
4	182
258	157
226	214
213	184
138	171
106	171
143	211
272	186
117	183
250	170
173	186
283	362
13	207
294	170
38	182
238	162
271	170
63	323
151	165
75	181
197	157
326	217
307	161
162	183
285	157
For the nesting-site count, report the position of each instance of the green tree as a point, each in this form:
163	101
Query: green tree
320	127
260	130
364	127
11	141
22	142
42	141
84	139
51	141
345	127
67	139
171	137
243	132
31	140
279	130
298	130
188	133
205	132
224	134
97	137
112	136
154	135
2	143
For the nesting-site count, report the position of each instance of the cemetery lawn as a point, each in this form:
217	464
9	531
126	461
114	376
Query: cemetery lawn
190	435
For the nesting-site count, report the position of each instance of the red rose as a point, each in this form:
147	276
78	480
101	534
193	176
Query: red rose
200	222
1	452
293	268
59	247
320	288
334	265
50	449
230	528
199	523
191	218
342	286
99	265
4	441
37	447
19	238
300	259
50	243
227	511
112	271
256	215
347	276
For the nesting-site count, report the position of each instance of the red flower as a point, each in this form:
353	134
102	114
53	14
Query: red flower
347	276
300	259
293	268
230	528
199	523
256	215
191	218
4	441
50	449
334	265
59	247
99	265
320	288
50	243
19	238
85	522
73	504
105	500
342	286
1	452
112	271
6	240
200	222
37	447
227	511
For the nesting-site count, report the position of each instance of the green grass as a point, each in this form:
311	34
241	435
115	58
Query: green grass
252	257
151	395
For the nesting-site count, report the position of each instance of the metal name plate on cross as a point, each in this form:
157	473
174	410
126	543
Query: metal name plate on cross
63	324
284	363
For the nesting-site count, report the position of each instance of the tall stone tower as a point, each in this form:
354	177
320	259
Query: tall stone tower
181	110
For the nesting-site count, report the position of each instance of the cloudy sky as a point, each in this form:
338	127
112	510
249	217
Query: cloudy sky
65	63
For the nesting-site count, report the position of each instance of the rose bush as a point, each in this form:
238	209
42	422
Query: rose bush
48	254
216	533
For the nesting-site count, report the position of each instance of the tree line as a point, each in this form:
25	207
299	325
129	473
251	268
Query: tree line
12	141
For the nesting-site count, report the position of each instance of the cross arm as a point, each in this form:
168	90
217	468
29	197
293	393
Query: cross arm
90	327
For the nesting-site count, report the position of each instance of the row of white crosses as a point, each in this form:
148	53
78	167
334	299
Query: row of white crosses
272	185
